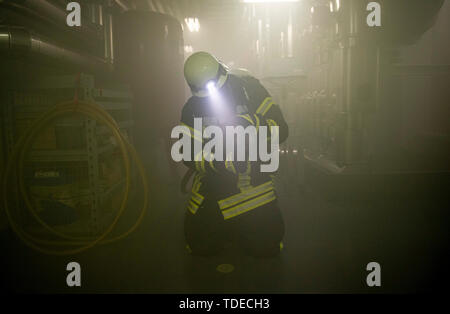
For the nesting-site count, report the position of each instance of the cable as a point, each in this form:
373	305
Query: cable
16	162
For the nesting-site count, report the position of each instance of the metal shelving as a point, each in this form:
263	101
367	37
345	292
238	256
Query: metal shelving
94	143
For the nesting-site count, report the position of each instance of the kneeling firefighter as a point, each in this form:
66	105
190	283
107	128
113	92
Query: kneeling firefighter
230	200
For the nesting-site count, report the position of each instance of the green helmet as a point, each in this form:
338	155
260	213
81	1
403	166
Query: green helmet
202	68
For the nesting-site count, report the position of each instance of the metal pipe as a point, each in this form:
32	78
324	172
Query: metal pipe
124	4
54	15
108	36
21	42
111	38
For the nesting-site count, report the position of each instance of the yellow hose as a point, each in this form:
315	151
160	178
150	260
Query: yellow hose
16	162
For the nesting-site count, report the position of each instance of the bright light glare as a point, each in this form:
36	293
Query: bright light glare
289	36
217	103
338	5
192	23
268	1
211	88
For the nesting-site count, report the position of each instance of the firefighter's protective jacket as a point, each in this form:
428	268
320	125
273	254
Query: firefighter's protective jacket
237	187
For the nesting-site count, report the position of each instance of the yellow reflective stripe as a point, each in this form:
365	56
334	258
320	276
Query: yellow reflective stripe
192	207
243	181
197	183
201	197
195	134
244	177
200	162
237	198
199	166
265	105
244	184
203	165
193	204
249	168
246	117
271	122
229	164
261	106
197	197
197	186
233	168
247	206
196	166
193	137
257	121
196	138
211	164
267	108
194	131
194	183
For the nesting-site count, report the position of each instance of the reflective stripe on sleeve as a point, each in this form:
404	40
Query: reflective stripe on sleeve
197	197
270	123
192	207
265	106
246	117
257	121
197	183
195	134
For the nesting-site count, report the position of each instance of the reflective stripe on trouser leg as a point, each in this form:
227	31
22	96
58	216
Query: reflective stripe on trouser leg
249	205
245	195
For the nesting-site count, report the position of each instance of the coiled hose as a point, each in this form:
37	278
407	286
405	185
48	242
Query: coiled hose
15	166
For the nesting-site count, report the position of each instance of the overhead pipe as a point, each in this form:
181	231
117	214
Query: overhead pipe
125	5
20	42
46	11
